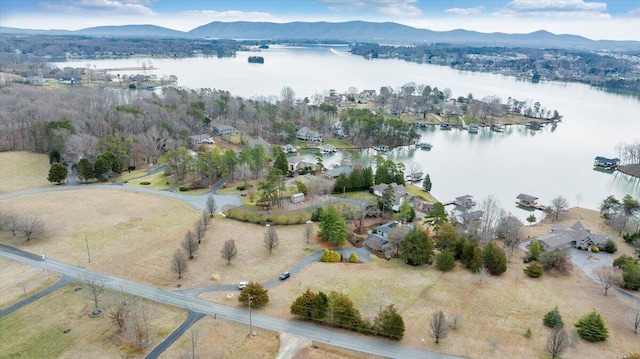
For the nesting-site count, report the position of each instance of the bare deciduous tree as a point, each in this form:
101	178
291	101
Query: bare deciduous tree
198	229
439	326
140	316
194	336
179	263
229	250
608	277
190	244
205	219
120	310
634	319
95	285
308	231
490	209
558	342
31	226
558	205
456	321
211	205
271	240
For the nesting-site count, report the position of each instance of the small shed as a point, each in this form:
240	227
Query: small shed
297	197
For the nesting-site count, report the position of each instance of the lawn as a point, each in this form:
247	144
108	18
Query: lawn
156	181
23	170
18	281
59	326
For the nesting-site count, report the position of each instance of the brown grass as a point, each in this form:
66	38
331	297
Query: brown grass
37	330
18	281
22	170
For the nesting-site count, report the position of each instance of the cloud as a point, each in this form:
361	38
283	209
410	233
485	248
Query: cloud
633	13
118	7
578	9
465	11
385	7
232	15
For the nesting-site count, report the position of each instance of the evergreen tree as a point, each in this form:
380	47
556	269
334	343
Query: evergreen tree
85	169
553	318
57	173
388	197
534	250
426	184
494	259
445	261
259	295
406	212
534	270
476	261
310	305
416	248
592	328
333	227
436	216
389	323
342	313
281	161
447	237
342	184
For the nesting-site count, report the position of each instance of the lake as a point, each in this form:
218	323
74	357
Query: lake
547	163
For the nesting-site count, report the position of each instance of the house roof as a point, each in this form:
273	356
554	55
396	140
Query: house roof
605	159
526	197
561	236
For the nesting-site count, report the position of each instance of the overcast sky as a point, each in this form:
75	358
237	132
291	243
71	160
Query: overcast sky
598	19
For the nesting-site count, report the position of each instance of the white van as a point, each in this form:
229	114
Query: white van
241	285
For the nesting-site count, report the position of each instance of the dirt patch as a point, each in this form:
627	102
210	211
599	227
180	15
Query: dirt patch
291	344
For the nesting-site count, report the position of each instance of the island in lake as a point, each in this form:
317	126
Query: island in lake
256	60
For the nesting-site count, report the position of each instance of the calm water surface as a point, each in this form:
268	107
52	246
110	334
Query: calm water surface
547	163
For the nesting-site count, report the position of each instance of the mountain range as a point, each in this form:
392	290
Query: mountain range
387	33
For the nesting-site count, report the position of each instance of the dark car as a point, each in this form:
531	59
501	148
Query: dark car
285	275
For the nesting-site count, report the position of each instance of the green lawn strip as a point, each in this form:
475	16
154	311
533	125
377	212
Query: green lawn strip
357	195
19	340
32	291
156	181
418	192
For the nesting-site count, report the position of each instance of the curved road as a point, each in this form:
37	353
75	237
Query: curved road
196	305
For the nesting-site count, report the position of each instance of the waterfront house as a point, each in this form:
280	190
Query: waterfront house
223	130
576	236
526	200
289	149
378	239
465	201
201	139
306	134
296	163
399	191
606	162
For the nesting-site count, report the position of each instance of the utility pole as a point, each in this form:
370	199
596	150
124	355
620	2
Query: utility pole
46	266
88	253
250	328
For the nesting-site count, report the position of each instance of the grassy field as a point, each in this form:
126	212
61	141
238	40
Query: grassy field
38	330
18	281
157	181
23	170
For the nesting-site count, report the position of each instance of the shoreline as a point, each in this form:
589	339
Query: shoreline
630	170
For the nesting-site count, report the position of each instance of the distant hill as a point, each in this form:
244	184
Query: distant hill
387	33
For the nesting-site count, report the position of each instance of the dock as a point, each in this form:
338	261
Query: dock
530	202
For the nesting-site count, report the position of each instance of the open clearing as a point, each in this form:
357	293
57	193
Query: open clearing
22	170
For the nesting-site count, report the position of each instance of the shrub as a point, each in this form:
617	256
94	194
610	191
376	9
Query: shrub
330	256
595	249
631	276
610	246
241	188
145	183
592	328
558	260
528	334
183	189
632	356
553	318
353	258
445	261
317	214
623	261
534	270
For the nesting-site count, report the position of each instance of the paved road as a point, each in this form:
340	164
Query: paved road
191	320
32	298
303	329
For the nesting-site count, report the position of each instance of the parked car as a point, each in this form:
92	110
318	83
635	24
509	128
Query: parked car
241	285
285	275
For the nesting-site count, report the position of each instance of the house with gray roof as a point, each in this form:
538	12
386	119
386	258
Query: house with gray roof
306	134
576	236
526	200
399	191
378	239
